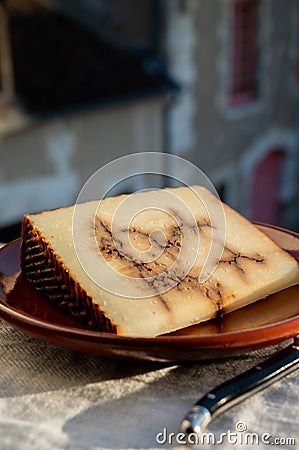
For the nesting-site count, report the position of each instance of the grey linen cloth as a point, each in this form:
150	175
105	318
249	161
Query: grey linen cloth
55	399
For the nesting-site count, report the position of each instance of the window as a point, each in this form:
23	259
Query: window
1	47
6	75
1	82
266	186
244	76
294	48
297	41
243	64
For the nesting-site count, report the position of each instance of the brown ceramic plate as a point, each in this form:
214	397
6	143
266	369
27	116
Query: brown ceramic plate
261	324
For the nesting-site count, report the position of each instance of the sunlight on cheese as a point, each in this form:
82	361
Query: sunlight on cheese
126	240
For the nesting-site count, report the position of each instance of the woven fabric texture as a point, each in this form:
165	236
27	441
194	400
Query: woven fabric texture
55	399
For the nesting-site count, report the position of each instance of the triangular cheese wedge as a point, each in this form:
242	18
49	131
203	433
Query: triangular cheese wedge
140	266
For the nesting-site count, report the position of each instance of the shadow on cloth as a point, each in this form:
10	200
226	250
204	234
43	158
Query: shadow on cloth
30	366
145	418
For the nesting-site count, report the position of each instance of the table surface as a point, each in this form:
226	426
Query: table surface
55	399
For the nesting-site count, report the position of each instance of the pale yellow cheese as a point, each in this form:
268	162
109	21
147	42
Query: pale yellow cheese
121	246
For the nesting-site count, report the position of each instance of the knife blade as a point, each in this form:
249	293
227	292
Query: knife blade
233	391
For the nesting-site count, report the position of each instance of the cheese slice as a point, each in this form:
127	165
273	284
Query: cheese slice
153	262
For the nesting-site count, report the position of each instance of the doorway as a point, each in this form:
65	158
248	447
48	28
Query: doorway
266	186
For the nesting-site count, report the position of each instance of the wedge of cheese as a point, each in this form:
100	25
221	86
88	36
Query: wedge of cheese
153	262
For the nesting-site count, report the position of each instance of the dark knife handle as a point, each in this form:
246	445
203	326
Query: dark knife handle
240	387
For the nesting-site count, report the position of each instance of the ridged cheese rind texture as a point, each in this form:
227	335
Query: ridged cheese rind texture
47	273
251	267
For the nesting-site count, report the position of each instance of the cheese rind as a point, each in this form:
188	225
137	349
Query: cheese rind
251	266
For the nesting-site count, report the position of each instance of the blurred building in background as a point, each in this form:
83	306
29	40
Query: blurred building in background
239	109
216	82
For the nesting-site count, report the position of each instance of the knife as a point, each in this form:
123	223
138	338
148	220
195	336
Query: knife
239	388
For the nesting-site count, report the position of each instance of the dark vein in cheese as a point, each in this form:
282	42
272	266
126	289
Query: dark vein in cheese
108	249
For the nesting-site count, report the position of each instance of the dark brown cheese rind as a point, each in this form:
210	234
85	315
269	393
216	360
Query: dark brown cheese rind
46	273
